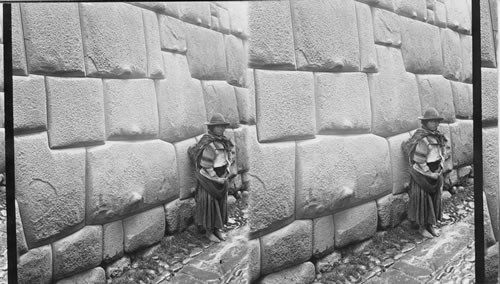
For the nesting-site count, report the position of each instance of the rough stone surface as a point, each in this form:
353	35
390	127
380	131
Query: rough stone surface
172	34
166	8
287	246
153	46
490	175
391	210
109	53
19	65
29	103
181	105
355	224
416	9
236	58
462	99
302	273
271	43
187	181
386	27
143	229
440	14
458	15
462	142
336	184
35	266
327	262
421	47
118	267
125	177
50	187
21	245
94	275
285	103
78	252
339	51
131	108
399	163
467	58
205	53
368	54
246	105
323	235
342	102
53	38
179	214
489	94
220	98
254	259
491	261
435	91
112	241
197	13
75	111
452	54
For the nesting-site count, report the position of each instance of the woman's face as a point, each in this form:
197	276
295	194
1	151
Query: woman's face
432	124
219	129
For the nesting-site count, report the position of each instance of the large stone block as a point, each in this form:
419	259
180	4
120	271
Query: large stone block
287	246
166	8
19	65
109	53
53	38
323	235
2	73
342	102
368	54
391	210
462	142
435	91
112	247
197	13
153	45
2	109
172	34
205	53
2	150
489	94
187	181
236	58
452	54
131	108
386	27
143	229
458	15
271	181
339	51
126	177
285	104
462	99
238	13
181	105
29	103
355	224
21	245
246	105
50	188
75	111
271	43
416	9
490	175
240	141
78	252
220	98
224	20
94	275
399	163
385	4
467	58
179	214
302	273
337	184
421	47
489	235
440	14
254	259
35	266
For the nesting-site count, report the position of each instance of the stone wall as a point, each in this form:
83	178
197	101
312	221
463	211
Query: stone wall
107	99
338	86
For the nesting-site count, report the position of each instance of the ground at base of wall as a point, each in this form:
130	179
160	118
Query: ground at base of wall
3	233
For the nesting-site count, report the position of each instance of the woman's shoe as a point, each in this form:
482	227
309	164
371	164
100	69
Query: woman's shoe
220	235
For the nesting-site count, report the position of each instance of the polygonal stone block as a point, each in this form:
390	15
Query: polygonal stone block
385	4
224	21
76	111
172	34
197	13
2	109
489	235
430	4
29	103
391	210
336	184
181	105
78	252
238	13
186	168
435	91
236	58
462	142
166	8
2	73
323	235
494	14
416	9
143	229
286	247
131	108
125	177
254	259
94	275
452	54
489	94
112	241
467	58
302	273
35	266
342	102
386	27
355	224
50	188
109	53
431	18
440	14
285	103
19	65
421	47
490	173
179	214
214	23
339	51
458	15
205	53
399	163
368	55
53	38
21	245
246	105
241	149
153	45
220	98
271	43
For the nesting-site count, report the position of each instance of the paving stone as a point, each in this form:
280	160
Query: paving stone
205	54
286	247
342	102
323	235
416	9
421	47
355	224
238	13
220	98
254	259
118	267
336	184
77	252
461	138
490	175
271	43
94	275
452	54
172	34
75	111
489	234
399	163
187	181
181	105
29	103
53	38
458	15
302	273
131	108
126	177
50	188
394	276
166	8
391	210
368	54
197	13
285	103
246	105
19	65
153	44
337	19
489	94
179	214
109	53
435	91
386	27
440	14
35	266
236	58
462	99
467	58
143	229
21	245
112	241
385	4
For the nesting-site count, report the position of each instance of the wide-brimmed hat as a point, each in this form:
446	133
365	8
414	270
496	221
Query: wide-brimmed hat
431	114
217	119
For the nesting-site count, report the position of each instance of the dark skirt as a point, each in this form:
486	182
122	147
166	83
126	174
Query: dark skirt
424	208
210	212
